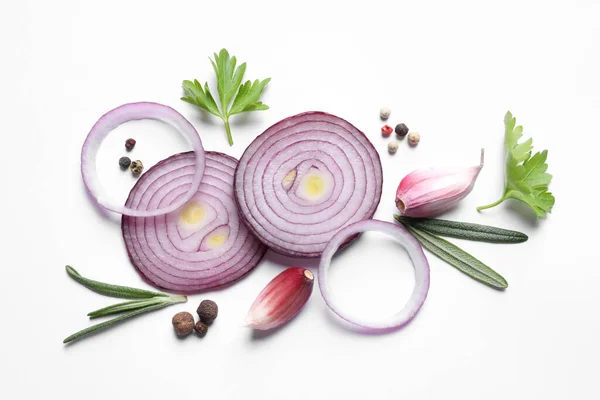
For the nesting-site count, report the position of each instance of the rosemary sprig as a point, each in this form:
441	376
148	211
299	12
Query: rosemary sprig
145	301
125	306
464	230
103	325
108	289
458	258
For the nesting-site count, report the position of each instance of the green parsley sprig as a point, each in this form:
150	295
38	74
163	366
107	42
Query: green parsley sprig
229	85
526	178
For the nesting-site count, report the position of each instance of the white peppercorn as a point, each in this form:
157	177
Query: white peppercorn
393	146
384	113
413	138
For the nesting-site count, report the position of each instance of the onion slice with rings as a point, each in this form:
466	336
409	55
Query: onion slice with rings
201	246
415	251
304	179
131	112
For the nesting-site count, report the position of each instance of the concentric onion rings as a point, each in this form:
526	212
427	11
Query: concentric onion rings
415	252
203	245
131	112
304	179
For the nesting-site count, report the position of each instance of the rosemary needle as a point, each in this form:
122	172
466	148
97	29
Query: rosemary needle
112	290
144	301
84	332
458	258
464	230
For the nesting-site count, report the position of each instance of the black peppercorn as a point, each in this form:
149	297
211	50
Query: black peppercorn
208	311
201	328
129	144
401	130
124	163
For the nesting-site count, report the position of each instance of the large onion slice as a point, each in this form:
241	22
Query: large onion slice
415	251
201	246
131	112
304	179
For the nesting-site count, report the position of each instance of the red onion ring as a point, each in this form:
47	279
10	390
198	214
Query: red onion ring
415	251
131	112
201	246
304	179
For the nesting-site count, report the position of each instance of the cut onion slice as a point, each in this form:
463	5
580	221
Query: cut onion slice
415	251
201	246
131	112
304	179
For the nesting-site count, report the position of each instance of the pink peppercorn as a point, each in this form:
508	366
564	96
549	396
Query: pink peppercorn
130	144
387	130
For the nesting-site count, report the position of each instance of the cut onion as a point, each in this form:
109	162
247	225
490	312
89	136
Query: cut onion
131	112
201	246
304	179
415	251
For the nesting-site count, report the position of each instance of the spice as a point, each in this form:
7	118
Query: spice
463	230
413	138
124	162
136	167
130	144
392	146
458	258
384	113
201	328
401	130
141	301
386	130
183	323
208	311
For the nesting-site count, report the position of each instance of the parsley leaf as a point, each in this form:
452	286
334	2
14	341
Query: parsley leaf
526	178
230	88
202	98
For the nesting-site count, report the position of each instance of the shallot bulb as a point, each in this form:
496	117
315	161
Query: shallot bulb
431	191
281	299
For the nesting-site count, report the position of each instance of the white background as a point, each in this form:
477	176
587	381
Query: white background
450	70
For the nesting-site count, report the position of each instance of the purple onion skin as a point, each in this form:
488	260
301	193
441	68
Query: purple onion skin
287	252
422	277
180	289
